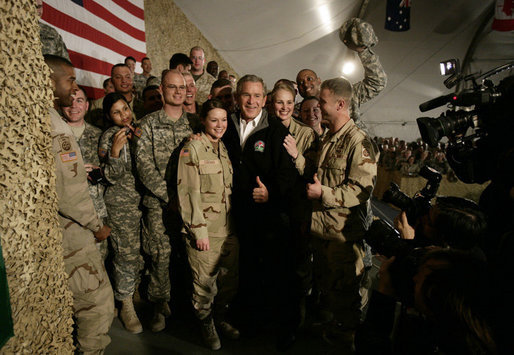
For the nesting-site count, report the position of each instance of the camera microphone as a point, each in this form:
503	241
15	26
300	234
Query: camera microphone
434	103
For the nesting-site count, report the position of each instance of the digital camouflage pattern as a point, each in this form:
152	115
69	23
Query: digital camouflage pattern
88	143
347	169
204	189
139	84
122	200
160	137
92	293
96	117
359	33
203	87
52	42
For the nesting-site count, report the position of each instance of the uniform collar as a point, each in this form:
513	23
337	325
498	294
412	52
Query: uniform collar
335	137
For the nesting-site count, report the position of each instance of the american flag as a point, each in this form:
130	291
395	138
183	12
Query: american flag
98	34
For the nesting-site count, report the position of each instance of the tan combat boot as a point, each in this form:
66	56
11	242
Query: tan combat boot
129	317
160	313
209	334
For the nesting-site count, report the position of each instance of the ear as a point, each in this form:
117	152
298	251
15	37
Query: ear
341	104
264	101
52	80
87	105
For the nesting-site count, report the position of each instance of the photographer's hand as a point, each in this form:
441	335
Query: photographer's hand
403	226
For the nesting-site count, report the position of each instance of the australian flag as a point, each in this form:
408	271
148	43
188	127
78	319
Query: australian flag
397	15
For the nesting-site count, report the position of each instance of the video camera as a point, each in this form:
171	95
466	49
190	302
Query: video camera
384	239
485	108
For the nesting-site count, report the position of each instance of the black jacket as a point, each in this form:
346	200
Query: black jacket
263	155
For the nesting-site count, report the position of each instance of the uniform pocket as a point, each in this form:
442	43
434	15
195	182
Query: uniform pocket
211	180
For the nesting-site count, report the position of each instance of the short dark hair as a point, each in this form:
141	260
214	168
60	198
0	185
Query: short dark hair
459	222
148	88
210	105
129	58
119	65
145	58
179	59
219	84
56	62
109	100
308	98
106	81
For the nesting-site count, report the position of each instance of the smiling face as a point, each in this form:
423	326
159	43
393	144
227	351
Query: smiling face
190	90
122	79
173	89
147	66
308	83
251	100
75	113
120	113
65	85
310	114
215	124
283	104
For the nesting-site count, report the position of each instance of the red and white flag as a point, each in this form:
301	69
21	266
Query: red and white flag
504	16
98	34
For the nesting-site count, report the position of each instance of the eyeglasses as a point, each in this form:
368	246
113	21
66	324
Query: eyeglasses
176	88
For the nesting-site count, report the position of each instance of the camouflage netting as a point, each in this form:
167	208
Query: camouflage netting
169	31
31	241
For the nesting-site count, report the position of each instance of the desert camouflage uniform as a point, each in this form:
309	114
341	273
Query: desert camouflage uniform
347	169
305	138
88	143
93	303
204	191
160	138
122	199
203	87
52	41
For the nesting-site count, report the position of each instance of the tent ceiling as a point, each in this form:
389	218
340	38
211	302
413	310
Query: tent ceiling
275	39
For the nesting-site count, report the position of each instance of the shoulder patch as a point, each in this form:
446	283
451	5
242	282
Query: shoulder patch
65	142
184	152
67	157
102	152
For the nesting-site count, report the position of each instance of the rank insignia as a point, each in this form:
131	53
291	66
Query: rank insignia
259	146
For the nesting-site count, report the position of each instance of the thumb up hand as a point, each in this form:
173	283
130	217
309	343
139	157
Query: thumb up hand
314	190
260	193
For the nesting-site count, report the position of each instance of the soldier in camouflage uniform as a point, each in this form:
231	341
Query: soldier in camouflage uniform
346	173
202	79
358	36
162	133
122	199
87	137
51	40
204	192
93	302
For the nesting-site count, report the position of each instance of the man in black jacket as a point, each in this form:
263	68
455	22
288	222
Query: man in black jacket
263	176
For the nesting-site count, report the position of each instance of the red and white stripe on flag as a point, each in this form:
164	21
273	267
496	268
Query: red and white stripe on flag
504	16
98	34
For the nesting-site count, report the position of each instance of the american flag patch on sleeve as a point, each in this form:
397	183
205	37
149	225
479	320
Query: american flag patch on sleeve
70	156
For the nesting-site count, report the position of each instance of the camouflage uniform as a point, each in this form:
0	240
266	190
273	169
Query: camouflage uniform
95	115
160	137
347	169
88	143
122	200
360	33
305	138
52	41
93	302
139	83
203	86
204	191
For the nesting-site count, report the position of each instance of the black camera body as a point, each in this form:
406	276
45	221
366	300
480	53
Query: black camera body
486	110
385	240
